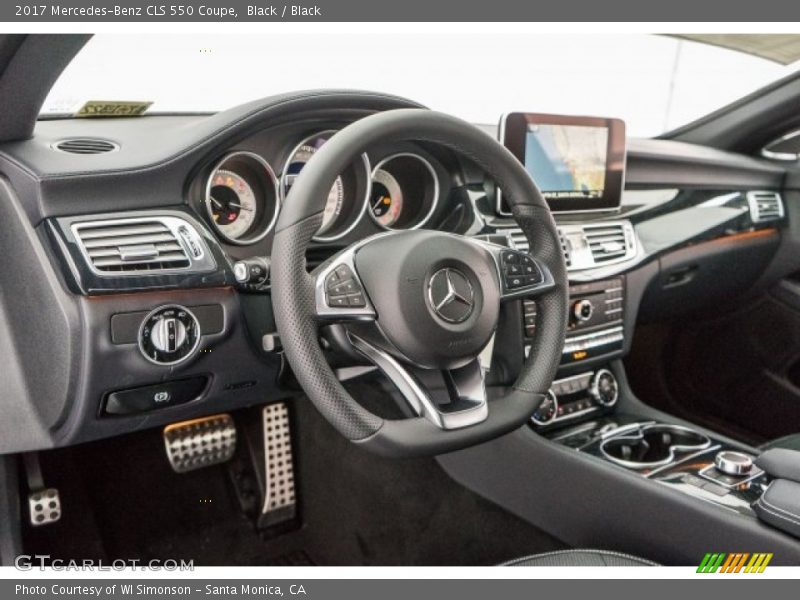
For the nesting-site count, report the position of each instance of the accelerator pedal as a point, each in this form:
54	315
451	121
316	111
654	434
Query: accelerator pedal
200	442
280	497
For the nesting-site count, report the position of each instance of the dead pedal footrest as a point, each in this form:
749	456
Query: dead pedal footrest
280	498
200	442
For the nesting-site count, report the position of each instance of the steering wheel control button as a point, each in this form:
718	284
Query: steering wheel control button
356	300
152	397
342	289
169	335
530	271
451	295
733	463
519	270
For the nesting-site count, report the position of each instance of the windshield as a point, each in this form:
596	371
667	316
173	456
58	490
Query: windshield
654	83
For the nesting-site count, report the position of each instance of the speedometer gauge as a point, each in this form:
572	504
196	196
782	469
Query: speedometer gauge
333	205
232	203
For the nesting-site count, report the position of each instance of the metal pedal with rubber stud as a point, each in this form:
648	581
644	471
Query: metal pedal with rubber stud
44	503
200	442
280	497
44	506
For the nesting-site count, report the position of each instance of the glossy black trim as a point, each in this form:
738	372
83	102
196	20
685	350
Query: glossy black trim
83	280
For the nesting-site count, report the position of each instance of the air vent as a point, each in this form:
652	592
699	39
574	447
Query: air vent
588	246
765	206
520	242
606	242
142	246
86	146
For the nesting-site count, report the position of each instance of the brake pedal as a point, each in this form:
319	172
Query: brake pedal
44	504
280	497
200	442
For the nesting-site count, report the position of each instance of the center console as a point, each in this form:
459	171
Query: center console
674	455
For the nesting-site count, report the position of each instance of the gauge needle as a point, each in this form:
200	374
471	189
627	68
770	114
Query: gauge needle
217	202
239	206
378	203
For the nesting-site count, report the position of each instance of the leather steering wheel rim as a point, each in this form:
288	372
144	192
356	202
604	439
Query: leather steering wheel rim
293	288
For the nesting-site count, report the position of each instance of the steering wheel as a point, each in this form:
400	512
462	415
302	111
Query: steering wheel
418	299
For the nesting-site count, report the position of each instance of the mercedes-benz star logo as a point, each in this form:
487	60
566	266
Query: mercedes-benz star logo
450	295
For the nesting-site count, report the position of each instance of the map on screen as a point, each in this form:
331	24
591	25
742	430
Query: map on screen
567	160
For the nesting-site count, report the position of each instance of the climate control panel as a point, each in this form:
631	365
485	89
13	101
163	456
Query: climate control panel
577	396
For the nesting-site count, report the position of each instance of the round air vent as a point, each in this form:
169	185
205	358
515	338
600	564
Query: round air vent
86	146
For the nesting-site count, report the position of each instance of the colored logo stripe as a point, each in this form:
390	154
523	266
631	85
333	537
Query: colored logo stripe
734	562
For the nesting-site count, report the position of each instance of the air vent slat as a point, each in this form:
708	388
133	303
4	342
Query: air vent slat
86	146
132	246
129	240
114	250
101	232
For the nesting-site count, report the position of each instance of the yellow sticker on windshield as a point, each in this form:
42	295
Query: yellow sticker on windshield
112	108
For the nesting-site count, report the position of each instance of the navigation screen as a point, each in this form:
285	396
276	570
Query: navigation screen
567	160
577	162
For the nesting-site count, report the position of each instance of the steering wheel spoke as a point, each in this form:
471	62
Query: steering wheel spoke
339	293
467	403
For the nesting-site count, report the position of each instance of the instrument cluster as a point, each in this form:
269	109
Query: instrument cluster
244	192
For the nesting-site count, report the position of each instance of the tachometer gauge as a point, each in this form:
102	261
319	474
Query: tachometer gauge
386	202
333	205
242	198
232	203
347	198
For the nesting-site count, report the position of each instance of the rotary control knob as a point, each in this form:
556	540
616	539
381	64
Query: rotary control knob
604	388
169	335
733	463
583	310
547	410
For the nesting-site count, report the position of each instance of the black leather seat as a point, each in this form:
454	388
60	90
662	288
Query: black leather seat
580	558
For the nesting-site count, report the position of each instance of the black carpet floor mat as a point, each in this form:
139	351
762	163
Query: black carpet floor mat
121	500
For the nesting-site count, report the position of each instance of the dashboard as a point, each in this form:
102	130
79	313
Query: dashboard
147	265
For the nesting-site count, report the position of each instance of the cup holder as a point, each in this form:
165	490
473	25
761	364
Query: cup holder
653	445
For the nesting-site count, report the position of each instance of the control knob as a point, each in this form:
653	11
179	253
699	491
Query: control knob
604	388
733	463
583	310
547	410
169	335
